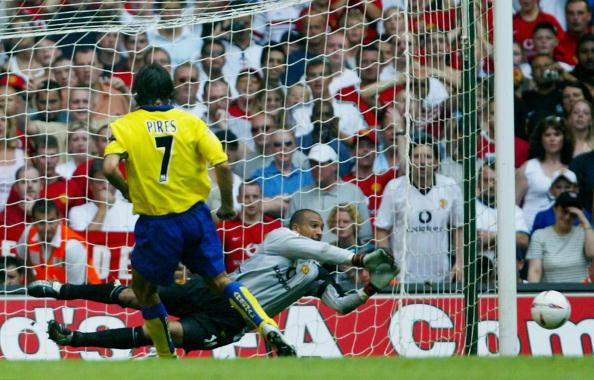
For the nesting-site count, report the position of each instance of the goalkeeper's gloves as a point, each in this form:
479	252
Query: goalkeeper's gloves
371	260
381	277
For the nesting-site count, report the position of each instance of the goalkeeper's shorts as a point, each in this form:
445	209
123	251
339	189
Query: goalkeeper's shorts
208	321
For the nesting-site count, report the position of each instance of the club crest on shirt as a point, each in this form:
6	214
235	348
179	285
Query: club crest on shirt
443	203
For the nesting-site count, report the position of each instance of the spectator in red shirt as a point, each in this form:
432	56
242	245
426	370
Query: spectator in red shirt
245	105
135	46
108	54
440	61
525	21
25	191
370	96
545	41
45	159
78	188
579	16
371	184
362	15
241	235
369	65
486	144
326	8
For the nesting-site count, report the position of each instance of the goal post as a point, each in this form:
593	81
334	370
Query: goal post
504	124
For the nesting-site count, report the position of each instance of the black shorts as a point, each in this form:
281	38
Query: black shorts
207	332
208	320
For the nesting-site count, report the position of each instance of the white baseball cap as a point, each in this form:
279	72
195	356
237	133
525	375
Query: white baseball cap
322	153
565	174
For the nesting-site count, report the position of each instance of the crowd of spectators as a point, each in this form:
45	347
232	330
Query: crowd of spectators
352	108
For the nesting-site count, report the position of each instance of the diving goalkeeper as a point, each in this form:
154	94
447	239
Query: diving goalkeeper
286	267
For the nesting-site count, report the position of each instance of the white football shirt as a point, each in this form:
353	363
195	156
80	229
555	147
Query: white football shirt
421	225
486	220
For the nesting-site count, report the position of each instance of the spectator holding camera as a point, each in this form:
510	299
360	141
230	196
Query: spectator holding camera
561	253
545	96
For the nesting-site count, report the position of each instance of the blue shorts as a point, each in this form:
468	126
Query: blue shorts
162	242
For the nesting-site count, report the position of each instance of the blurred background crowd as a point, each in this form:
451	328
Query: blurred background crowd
352	108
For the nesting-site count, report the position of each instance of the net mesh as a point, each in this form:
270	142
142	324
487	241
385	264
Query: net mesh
355	109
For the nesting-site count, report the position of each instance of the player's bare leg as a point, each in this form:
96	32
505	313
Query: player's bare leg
247	305
154	314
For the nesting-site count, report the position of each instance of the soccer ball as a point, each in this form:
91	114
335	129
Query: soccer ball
550	309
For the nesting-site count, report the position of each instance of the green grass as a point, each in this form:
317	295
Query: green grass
389	368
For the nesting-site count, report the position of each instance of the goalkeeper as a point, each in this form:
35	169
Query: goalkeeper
286	267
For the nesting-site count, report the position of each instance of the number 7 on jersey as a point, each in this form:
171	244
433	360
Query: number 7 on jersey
165	142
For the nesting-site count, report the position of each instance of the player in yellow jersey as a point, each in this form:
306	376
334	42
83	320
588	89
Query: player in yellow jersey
167	152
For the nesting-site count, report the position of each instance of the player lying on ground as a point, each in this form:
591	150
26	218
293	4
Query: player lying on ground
286	267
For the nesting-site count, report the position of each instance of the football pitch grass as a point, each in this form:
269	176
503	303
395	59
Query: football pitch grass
392	368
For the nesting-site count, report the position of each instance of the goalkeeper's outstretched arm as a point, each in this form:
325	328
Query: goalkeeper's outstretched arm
291	245
333	296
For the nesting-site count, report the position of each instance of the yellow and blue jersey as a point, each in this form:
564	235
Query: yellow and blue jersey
167	155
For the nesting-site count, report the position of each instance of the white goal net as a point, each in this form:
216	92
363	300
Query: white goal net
363	110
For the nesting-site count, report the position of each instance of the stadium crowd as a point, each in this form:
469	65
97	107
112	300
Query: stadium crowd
352	108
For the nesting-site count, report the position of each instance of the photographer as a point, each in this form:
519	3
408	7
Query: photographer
542	101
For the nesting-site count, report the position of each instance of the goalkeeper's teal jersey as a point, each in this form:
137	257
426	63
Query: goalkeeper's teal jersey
286	267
